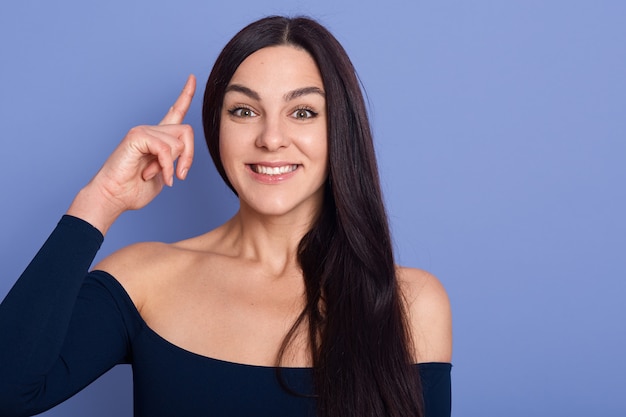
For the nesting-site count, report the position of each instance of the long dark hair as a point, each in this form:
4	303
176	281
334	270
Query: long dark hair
360	343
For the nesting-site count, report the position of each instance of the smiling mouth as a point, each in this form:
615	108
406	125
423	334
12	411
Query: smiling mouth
265	170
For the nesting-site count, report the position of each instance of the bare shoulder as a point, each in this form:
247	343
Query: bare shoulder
139	267
149	271
429	315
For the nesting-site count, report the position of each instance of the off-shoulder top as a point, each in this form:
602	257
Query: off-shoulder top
61	327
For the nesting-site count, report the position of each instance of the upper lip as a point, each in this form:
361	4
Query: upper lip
274	164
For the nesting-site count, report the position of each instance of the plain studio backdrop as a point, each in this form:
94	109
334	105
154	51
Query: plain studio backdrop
501	134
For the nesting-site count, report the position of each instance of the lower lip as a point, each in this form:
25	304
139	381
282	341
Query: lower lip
272	179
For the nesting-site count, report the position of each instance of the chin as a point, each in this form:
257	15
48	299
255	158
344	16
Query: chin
277	207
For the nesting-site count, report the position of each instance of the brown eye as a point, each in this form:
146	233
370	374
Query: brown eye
242	112
303	114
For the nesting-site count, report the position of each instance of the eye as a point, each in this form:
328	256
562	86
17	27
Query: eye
304	113
242	112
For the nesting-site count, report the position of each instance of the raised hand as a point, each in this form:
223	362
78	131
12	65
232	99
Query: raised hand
147	158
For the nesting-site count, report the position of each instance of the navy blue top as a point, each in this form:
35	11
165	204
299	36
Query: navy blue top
62	327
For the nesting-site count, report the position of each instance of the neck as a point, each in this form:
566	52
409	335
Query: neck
271	241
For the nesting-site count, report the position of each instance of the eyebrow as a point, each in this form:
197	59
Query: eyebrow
291	95
303	92
244	90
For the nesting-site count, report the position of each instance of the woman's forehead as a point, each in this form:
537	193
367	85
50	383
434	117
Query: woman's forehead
277	70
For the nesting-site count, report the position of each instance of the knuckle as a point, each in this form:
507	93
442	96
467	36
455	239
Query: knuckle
137	131
175	110
188	134
134	131
162	147
178	147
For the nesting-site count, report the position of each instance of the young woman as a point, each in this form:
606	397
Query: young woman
293	307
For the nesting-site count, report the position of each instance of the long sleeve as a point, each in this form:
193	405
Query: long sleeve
436	385
57	334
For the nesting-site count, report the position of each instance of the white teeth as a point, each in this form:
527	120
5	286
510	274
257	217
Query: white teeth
260	169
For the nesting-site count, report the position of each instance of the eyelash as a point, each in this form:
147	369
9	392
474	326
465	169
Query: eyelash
235	111
312	114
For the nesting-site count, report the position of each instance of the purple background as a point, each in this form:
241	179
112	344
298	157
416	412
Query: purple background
501	132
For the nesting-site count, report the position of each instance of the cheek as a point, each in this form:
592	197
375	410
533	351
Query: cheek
316	144
227	152
229	141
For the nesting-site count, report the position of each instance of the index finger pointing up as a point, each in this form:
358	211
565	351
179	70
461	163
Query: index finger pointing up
177	112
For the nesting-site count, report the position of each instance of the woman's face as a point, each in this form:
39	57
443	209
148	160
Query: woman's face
273	137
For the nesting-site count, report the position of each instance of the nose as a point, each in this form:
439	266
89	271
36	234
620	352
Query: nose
273	135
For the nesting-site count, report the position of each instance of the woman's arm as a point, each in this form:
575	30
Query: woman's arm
430	323
429	315
139	167
42	305
36	313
